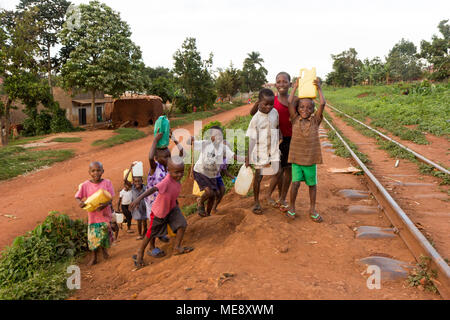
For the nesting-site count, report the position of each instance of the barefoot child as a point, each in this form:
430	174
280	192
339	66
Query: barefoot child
263	149
283	178
165	211
305	152
125	199
139	213
99	229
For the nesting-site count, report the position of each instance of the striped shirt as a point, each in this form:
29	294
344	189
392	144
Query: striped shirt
305	144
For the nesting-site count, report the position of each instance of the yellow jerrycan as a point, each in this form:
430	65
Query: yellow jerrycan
196	190
130	176
94	201
306	87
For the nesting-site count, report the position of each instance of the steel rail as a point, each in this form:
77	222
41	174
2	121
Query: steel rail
408	232
417	155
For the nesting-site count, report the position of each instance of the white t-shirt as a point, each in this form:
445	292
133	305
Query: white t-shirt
264	129
211	157
127	196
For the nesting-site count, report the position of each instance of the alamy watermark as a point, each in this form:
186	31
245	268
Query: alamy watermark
74	280
374	280
73	17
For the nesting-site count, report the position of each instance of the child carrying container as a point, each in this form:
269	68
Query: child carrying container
99	230
305	151
125	199
140	212
263	149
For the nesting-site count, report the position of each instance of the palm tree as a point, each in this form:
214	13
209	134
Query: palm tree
254	58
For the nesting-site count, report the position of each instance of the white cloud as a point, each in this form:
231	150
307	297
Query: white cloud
289	34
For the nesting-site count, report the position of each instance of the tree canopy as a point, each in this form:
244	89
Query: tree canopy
253	72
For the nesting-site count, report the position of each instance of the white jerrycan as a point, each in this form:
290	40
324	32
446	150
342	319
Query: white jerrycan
243	180
138	169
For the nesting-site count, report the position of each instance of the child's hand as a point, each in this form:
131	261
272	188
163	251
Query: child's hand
82	204
103	206
295	85
159	135
133	205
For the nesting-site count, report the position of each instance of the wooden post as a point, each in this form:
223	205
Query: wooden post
94	118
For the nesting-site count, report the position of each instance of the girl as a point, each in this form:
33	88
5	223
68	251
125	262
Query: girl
140	212
284	176
124	201
99	230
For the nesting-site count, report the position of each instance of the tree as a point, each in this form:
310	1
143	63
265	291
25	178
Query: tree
371	71
159	81
102	56
346	66
436	52
403	62
253	72
18	67
228	82
51	15
193	76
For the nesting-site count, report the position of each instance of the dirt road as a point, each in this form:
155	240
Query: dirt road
31	197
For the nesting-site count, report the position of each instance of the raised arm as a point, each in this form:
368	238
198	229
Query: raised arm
293	101
128	173
323	102
179	146
151	153
254	108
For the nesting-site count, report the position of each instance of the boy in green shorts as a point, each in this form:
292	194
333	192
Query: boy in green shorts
305	151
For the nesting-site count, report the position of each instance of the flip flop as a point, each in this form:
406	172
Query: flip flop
257	210
284	207
164	239
156	253
316	217
273	203
136	264
184	250
290	214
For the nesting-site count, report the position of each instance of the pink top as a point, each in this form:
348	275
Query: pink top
87	189
168	191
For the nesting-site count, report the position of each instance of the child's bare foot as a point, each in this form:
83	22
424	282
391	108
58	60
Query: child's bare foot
105	254
273	203
92	261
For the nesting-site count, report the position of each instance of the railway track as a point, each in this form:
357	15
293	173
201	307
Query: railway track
415	241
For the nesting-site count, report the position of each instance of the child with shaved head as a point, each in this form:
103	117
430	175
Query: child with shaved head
100	235
165	211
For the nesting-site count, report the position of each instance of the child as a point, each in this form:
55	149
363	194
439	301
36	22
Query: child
263	147
305	152
139	213
158	159
124	201
165	211
283	178
114	227
207	167
99	229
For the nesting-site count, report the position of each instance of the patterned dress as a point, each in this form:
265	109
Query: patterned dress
152	180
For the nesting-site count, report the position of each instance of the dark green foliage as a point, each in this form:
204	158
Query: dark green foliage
402	61
34	267
346	67
228	82
253	74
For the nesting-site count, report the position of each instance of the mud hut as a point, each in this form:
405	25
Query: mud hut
136	111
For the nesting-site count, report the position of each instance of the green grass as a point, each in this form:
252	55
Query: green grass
22	140
17	160
122	135
64	139
427	106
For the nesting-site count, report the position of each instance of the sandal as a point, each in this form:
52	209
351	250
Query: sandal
273	203
136	264
156	253
257	209
201	211
183	251
283	207
290	214
164	239
316	217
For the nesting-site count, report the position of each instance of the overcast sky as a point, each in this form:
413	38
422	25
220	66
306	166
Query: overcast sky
289	34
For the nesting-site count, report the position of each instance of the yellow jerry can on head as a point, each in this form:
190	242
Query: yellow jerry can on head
306	87
96	199
130	176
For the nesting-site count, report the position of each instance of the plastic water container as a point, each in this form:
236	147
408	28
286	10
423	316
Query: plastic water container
130	177
138	169
243	180
163	125
119	217
170	232
95	200
306	87
196	190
